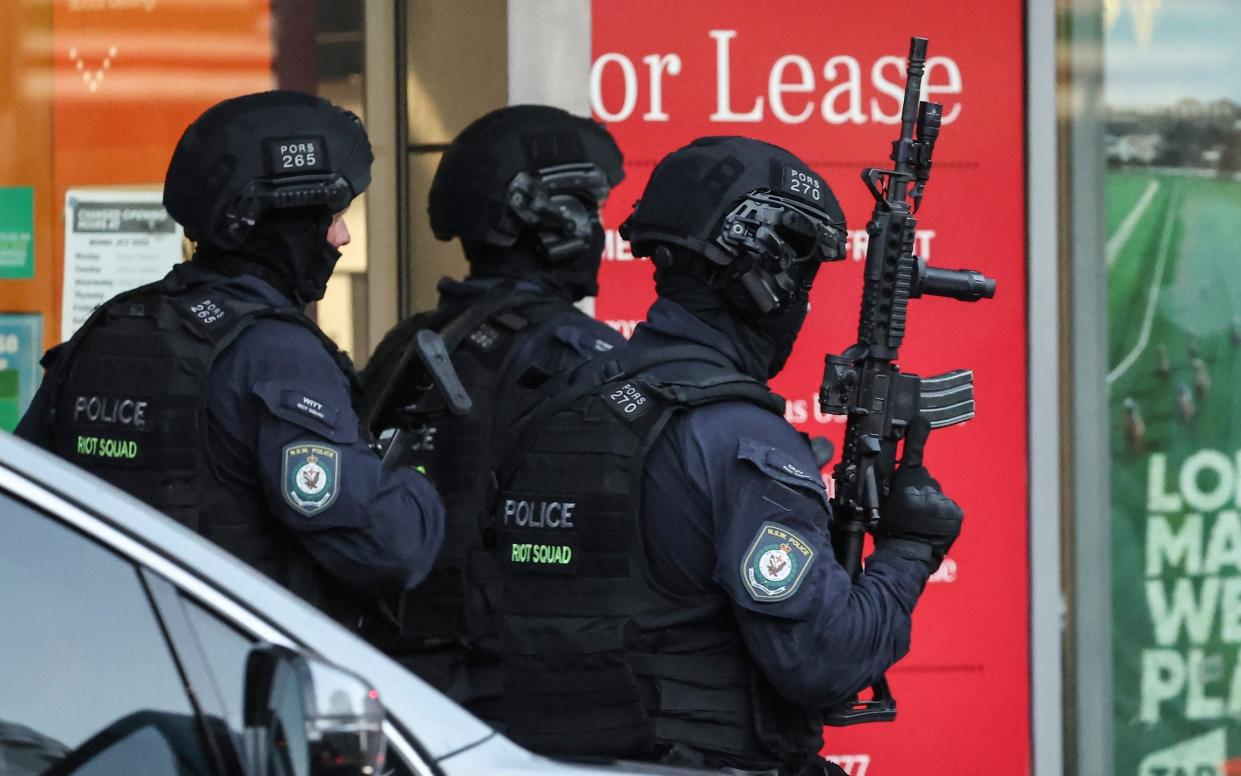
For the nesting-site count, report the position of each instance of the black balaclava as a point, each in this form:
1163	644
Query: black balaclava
286	248
573	279
766	340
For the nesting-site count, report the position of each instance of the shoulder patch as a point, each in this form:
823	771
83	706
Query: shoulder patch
784	468
302	404
310	477
318	410
776	563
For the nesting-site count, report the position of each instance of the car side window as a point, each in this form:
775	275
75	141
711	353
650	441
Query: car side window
89	683
225	650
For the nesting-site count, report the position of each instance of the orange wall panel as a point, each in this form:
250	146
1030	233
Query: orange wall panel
26	142
96	93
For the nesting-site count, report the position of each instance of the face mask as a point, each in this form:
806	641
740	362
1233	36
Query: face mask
586	268
780	328
312	283
578	277
293	245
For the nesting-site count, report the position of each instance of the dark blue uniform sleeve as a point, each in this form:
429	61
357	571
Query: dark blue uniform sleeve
742	486
280	397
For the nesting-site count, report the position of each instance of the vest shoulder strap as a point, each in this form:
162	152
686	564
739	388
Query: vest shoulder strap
504	304
703	376
342	359
215	319
693	375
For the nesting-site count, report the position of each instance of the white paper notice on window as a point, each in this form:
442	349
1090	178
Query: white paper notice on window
114	241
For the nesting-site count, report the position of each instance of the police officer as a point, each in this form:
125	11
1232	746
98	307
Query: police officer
211	396
669	590
521	188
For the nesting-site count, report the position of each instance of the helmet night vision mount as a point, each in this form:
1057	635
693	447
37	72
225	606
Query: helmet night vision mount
560	204
778	235
278	193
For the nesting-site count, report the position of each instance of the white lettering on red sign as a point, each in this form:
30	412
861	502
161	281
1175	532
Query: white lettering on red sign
793	91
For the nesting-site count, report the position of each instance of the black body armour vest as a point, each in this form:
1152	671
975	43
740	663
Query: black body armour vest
447	632
599	659
129	406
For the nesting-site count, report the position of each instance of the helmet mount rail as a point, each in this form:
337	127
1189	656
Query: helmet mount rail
328	190
776	233
560	204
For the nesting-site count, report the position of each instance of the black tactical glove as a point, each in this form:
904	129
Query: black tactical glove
916	512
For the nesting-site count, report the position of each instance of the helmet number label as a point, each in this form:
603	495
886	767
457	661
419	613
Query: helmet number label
804	184
296	155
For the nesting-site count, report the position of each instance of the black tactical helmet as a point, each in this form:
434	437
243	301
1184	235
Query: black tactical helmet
758	215
260	152
525	168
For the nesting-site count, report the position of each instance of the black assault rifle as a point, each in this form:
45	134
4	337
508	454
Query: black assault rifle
865	382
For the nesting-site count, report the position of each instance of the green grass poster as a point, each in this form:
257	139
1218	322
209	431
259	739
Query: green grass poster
1173	253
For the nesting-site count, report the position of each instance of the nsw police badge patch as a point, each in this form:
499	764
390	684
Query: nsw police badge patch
776	563
311	477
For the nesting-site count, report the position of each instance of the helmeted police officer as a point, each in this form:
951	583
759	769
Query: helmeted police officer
211	396
669	589
521	188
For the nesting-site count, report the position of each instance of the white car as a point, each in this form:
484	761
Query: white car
129	644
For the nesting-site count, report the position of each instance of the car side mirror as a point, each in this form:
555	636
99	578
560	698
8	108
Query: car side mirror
306	717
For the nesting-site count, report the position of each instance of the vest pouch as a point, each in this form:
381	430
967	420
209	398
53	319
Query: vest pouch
787	730
584	697
703	700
